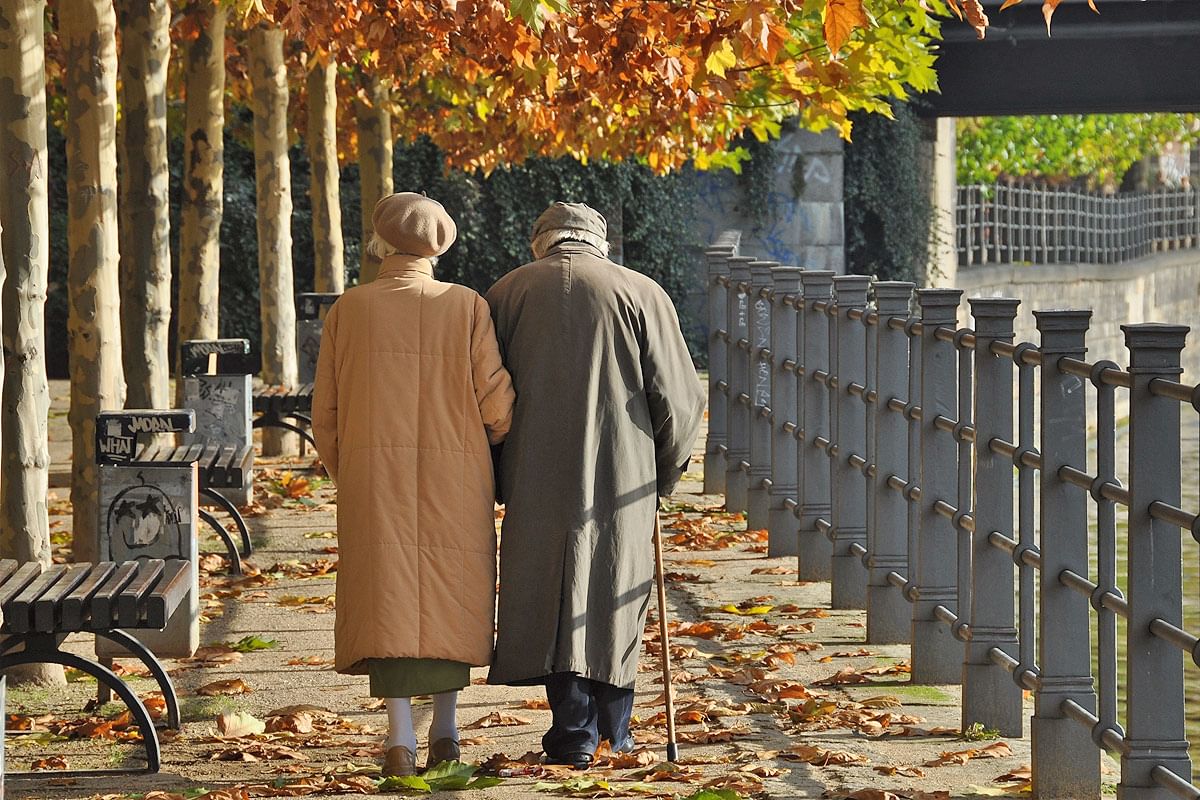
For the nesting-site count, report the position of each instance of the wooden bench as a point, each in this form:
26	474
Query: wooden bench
216	376
42	606
119	444
284	407
310	321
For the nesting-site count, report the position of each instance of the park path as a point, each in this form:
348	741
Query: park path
777	695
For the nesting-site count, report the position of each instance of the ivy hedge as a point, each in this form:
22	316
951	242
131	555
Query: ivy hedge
494	214
888	211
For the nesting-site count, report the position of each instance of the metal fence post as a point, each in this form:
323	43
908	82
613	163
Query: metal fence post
815	549
889	616
758	498
990	696
1066	762
718	369
847	459
737	429
784	536
936	655
1154	710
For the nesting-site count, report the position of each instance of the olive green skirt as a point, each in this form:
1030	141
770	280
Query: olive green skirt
409	677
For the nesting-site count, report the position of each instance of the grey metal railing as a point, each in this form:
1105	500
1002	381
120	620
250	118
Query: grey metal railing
877	441
1014	223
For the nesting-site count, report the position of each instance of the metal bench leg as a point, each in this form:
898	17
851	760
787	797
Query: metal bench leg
276	422
235	560
36	652
103	692
152	663
230	509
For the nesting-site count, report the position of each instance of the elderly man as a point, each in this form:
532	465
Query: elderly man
608	407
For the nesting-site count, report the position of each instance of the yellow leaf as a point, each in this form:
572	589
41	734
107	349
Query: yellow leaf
720	59
1008	3
842	17
730	608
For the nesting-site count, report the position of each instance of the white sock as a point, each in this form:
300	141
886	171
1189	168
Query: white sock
400	725
445	711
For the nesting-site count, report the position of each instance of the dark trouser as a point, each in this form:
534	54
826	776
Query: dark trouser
585	711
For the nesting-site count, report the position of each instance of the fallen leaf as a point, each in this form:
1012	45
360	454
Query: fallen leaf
497	720
239	723
227	687
957	757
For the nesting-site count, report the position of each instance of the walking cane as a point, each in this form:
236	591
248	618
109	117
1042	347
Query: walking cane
665	641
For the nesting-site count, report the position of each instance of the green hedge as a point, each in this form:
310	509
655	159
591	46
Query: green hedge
494	215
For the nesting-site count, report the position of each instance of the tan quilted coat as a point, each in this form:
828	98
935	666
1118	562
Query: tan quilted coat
410	391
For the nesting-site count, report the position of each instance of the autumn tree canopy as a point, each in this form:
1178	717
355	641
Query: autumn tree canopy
492	82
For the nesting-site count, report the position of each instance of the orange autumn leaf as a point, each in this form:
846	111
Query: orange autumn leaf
842	18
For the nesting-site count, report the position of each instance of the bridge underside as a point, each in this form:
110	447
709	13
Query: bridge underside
1131	57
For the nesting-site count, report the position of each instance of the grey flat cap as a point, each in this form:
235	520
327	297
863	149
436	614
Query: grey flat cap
573	216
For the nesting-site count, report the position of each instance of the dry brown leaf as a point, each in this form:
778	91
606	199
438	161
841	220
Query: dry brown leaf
226	687
49	763
906	772
958	757
819	756
235	724
497	720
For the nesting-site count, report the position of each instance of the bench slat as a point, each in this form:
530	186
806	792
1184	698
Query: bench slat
7	567
104	601
218	472
170	591
12	587
73	604
239	465
45	609
18	612
130	599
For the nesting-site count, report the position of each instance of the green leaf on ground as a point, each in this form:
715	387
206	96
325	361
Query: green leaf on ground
448	776
249	644
714	794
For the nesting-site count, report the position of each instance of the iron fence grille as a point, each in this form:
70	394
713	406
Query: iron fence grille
876	440
1026	223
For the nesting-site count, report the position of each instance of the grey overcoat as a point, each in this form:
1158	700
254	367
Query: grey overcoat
608	407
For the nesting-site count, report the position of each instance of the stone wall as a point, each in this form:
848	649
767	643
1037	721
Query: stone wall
1161	288
804	229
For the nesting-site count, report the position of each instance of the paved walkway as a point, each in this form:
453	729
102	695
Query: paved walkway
778	697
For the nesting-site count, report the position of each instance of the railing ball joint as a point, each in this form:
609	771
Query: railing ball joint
910	327
1020	350
1103	732
1018	554
961	630
964	338
1096	490
1100	592
912	492
912	412
1096	376
1021	452
957	431
961	520
911	591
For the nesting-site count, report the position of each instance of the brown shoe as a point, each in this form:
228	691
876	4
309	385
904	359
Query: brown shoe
400	762
443	750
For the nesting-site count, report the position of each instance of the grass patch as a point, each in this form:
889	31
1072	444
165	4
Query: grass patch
929	695
200	709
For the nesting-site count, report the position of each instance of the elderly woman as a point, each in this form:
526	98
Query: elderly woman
410	394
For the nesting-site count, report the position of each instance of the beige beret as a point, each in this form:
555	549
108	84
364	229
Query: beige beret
414	224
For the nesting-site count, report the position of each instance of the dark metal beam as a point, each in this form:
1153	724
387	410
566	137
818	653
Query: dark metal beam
1132	57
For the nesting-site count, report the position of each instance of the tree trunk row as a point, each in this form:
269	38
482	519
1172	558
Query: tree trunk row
268	76
374	163
329	270
88	39
145	262
203	176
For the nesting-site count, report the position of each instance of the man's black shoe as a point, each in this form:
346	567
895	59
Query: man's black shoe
579	761
628	746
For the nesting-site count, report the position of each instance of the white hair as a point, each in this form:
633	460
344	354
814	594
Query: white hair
379	248
542	243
